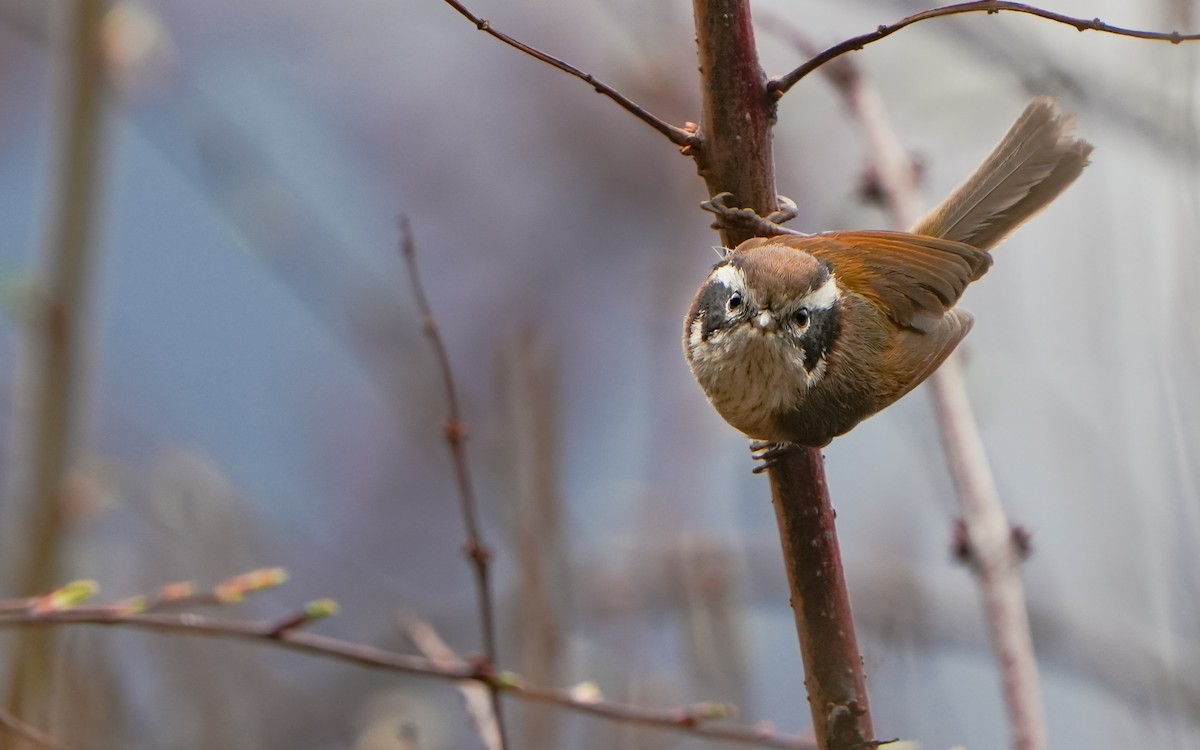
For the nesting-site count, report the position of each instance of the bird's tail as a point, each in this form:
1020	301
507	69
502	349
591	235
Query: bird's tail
1037	159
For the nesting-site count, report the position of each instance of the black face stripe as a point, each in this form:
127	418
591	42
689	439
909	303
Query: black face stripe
823	329
711	306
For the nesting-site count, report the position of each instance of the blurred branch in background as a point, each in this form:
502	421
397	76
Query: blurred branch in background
48	429
529	449
712	618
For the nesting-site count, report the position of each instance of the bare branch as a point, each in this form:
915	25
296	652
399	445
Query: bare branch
737	158
698	720
681	137
782	84
455	432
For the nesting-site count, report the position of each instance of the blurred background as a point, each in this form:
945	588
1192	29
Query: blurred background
251	386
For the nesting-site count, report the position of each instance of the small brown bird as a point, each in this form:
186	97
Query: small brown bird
796	339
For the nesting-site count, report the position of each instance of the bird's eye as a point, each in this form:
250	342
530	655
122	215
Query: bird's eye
801	317
735	302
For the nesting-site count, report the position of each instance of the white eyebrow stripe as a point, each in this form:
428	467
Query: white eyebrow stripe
824	296
730	277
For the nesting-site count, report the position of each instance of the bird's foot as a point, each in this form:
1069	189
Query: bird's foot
730	217
769	453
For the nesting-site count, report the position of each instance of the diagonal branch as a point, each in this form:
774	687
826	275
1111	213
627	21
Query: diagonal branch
455	432
782	84
681	137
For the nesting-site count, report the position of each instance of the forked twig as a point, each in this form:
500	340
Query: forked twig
475	696
455	432
681	137
780	85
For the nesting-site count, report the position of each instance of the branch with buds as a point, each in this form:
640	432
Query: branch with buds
157	612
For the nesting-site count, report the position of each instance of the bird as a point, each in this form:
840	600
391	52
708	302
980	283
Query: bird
795	339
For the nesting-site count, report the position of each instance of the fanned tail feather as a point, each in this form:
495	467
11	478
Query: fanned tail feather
1036	160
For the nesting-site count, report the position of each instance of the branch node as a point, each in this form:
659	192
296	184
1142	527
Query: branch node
313	611
455	431
478	553
483	669
960	542
1022	541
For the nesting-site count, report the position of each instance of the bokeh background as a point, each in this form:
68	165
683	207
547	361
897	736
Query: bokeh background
256	390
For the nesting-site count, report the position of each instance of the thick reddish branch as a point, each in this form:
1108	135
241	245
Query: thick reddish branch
834	677
735	153
735	156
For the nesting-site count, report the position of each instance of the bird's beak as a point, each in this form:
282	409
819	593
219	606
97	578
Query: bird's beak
765	322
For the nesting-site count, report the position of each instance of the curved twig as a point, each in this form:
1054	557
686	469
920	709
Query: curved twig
681	137
780	85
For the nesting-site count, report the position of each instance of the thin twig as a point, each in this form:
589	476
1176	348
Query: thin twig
681	137
782	84
696	720
455	432
985	526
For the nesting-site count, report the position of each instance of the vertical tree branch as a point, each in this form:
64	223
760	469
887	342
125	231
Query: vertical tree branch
455	432
735	156
46	439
